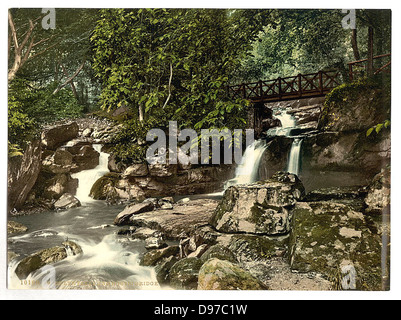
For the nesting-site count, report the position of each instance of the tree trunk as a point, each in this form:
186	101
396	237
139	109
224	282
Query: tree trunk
370	52
141	113
354	43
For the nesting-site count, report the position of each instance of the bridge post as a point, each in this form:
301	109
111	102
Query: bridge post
280	91
321	82
300	85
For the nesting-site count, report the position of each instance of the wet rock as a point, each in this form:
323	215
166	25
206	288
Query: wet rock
260	208
58	162
15	227
39	260
123	218
85	159
55	136
153	243
11	256
72	248
163	268
219	252
152	258
104	187
218	274
328	236
184	274
136	170
67	201
199	251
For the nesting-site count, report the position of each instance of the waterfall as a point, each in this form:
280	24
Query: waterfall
247	170
87	178
295	157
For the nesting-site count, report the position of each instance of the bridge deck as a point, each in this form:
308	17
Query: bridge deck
300	86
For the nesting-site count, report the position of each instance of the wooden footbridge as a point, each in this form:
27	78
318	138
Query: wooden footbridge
289	88
303	85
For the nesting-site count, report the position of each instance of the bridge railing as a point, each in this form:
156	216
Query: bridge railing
302	85
381	63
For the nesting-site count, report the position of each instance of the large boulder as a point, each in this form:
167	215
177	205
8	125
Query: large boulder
332	238
260	208
218	274
45	257
67	201
55	136
86	158
184	274
57	162
123	218
23	172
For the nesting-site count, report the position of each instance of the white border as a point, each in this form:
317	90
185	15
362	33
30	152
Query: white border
209	295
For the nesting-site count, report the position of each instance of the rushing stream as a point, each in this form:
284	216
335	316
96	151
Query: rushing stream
108	261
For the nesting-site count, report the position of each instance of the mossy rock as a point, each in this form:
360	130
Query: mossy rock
251	248
163	268
259	208
104	187
15	227
184	274
218	274
328	236
152	257
219	252
39	260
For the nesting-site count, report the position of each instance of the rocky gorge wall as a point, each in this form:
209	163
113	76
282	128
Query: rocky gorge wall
336	150
44	175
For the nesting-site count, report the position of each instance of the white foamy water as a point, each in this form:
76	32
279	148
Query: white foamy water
87	178
295	157
248	170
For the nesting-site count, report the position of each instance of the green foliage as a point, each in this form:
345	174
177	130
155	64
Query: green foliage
41	105
173	62
20	126
129	144
378	128
30	107
309	40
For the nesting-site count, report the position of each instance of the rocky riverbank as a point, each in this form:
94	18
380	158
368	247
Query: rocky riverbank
259	233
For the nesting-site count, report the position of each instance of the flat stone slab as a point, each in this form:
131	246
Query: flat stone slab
182	219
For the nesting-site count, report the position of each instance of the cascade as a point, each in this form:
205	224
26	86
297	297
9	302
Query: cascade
295	157
247	170
87	178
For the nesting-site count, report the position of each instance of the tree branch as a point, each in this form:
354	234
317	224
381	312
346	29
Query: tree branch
69	80
169	85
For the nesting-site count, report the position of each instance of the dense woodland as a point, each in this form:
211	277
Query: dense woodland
167	64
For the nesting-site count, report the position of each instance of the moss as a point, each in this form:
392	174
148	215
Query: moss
341	99
316	244
223	275
101	188
257	248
